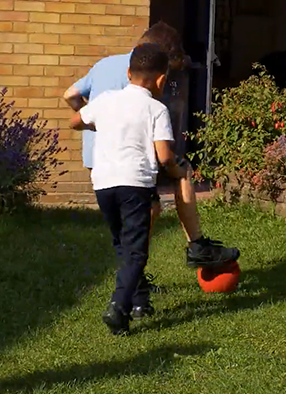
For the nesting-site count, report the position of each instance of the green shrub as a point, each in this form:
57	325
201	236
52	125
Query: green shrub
246	121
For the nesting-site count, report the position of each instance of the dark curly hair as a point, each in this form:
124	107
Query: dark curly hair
148	59
169	41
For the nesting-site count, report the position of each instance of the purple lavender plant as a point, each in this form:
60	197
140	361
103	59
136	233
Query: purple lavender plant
28	155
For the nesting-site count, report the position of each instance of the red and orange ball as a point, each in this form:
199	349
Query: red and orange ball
223	279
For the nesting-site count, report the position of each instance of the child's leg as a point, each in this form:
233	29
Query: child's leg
106	200
135	205
135	209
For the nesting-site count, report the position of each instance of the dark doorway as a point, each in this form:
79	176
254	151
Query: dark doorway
191	19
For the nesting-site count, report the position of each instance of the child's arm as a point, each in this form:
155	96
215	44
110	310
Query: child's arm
168	160
163	138
85	118
77	123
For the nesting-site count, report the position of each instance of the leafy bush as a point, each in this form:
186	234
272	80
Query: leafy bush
27	156
242	137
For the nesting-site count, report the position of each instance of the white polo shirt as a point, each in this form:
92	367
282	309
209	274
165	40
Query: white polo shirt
127	123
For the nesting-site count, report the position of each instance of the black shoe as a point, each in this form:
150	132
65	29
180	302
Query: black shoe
116	320
141	300
148	278
138	312
205	252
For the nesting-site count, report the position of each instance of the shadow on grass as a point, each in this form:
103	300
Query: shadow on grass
160	359
258	287
49	258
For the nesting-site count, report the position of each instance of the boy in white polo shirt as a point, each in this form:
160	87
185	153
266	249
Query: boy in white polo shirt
133	133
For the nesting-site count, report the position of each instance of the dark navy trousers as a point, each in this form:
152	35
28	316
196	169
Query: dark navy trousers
127	211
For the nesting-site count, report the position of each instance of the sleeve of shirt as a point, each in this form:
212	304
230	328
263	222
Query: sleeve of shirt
163	128
88	112
84	84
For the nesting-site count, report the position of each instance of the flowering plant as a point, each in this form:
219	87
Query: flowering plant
244	136
27	156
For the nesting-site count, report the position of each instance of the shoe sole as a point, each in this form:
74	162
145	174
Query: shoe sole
204	264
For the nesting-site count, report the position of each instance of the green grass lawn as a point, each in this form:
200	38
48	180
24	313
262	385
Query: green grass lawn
56	276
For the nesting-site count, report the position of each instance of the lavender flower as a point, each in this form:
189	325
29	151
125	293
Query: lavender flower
27	154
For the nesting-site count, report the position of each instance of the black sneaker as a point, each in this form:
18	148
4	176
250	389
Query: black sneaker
116	320
205	252
149	278
138	312
141	299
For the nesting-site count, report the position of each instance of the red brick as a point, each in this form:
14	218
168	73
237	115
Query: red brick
73	145
44	60
14	81
122	31
136	2
21	103
77	19
103	40
64	123
44	17
44	81
60	7
6	26
9	92
77	155
62	101
5	70
6	48
68	198
28	92
14	59
28	48
69	135
117	50
143	11
28	70
81	71
59	49
90	50
57	113
6	5
59	71
52	124
91	9
14	16
72	187
43	103
111	20
44	38
66	82
59	29
29	6
78	1
120	10
24	27
134	21
54	92
26	113
13	37
78	29
106	1
80	176
74	39
75	61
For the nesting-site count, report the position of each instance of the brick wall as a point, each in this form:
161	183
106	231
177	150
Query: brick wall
45	46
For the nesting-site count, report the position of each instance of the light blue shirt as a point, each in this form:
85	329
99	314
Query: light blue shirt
109	73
